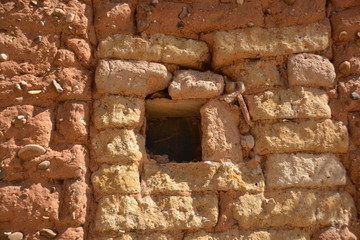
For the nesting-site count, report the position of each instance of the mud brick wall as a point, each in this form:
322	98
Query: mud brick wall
271	87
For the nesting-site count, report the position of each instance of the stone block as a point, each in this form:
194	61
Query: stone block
71	233
349	93
310	70
305	136
118	146
156	48
334	233
345	25
257	76
293	103
112	111
190	19
193	84
156	213
221	135
201	176
116	179
131	78
304	170
294	208
250	235
139	236
257	42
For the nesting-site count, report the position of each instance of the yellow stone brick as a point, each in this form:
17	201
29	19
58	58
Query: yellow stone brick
139	236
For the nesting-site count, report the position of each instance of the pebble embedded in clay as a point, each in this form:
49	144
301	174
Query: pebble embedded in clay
30	151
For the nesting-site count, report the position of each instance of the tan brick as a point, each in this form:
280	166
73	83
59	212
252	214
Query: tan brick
116	179
118	146
295	208
293	103
118	112
221	136
257	76
166	17
304	170
346	24
250	235
193	84
139	236
259	42
306	136
310	70
131	78
116	213
201	176
156	48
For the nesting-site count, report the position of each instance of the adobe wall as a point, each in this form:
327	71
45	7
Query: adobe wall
271	87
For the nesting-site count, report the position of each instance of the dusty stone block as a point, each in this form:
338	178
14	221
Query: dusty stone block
293	103
335	233
250	235
139	236
305	136
200	176
349	93
113	179
257	76
260	42
156	213
190	19
73	120
221	136
304	170
347	59
295	208
156	48
346	24
310	70
35	127
118	112
131	78
118	146
193	84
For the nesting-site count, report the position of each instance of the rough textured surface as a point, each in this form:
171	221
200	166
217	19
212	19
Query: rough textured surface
137	78
304	170
346	25
193	84
139	236
156	48
258	42
156	213
296	208
310	70
335	233
289	104
118	146
313	136
348	86
221	136
117	111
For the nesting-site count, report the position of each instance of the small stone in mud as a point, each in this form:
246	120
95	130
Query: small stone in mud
38	39
52	189
184	13
20	4
180	24
344	67
69	17
57	86
342	35
358	34
49	233
250	24
19	121
34	3
2	174
4	57
44	165
16	236
241	2
154	2
2	77
30	151
354	96
18	87
58	12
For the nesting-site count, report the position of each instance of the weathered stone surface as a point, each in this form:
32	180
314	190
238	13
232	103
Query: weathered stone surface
257	76
72	233
156	48
156	213
250	235
139	236
118	146
131	78
310	70
354	127
118	112
304	170
345	3
116	179
347	88
259	42
221	136
350	54
193	84
296	208
306	136
346	24
334	233
16	236
201	176
293	103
